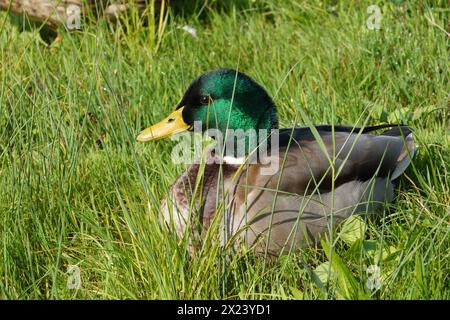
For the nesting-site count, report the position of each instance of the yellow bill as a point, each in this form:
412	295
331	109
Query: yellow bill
171	125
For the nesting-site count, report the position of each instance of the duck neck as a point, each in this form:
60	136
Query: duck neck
242	143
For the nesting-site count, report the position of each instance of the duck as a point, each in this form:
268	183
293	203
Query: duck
288	190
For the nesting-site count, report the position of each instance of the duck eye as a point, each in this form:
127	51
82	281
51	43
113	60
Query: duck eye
205	99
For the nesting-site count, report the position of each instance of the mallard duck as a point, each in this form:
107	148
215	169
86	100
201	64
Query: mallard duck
323	173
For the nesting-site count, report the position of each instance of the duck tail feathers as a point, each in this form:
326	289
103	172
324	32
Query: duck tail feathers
408	152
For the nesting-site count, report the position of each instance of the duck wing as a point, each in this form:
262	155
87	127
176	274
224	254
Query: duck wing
294	204
331	156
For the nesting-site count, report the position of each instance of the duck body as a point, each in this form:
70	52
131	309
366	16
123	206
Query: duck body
323	175
302	200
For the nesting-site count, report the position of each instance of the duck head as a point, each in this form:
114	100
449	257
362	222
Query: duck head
221	99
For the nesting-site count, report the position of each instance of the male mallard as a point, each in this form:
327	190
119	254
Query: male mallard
305	195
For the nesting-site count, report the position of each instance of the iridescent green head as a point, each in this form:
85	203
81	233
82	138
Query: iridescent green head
221	99
226	99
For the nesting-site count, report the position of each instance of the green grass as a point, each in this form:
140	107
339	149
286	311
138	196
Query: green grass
65	200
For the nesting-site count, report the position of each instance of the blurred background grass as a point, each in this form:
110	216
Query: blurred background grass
76	189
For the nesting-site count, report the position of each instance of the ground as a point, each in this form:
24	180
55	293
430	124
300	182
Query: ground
79	200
